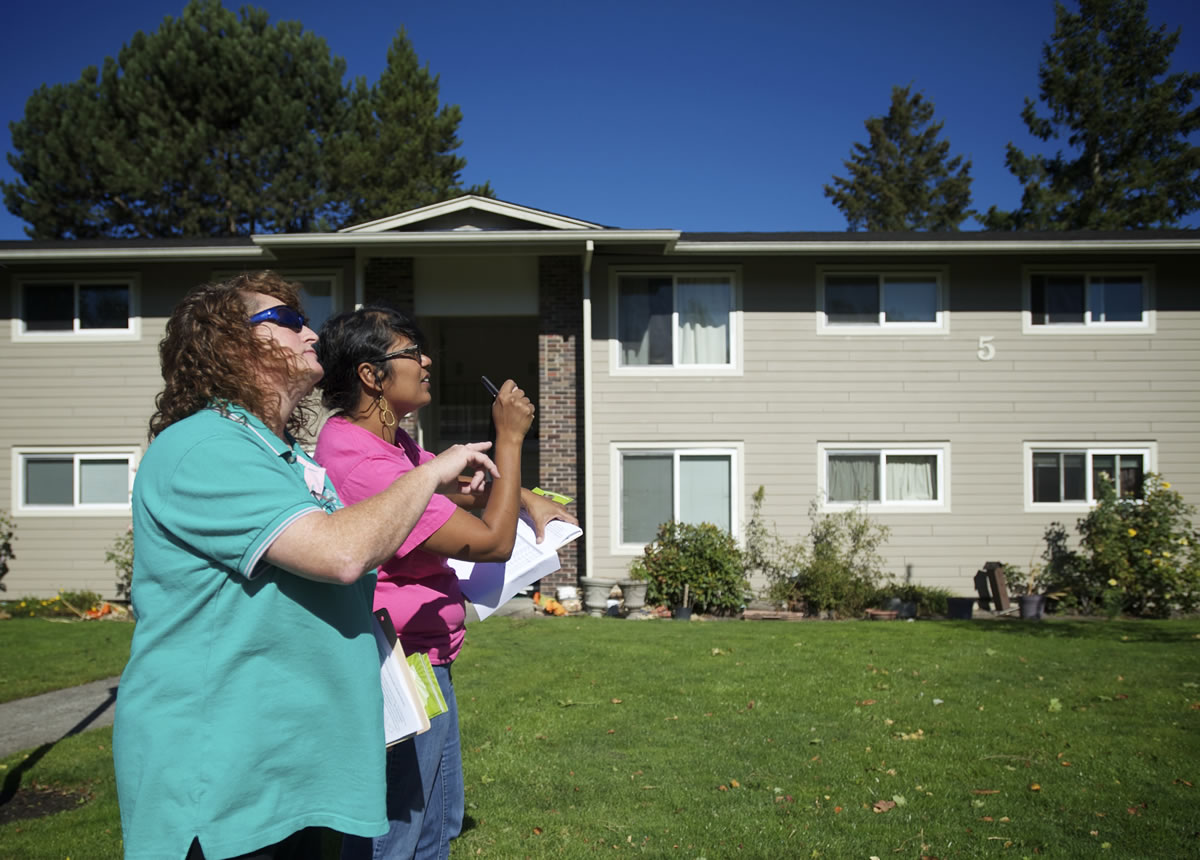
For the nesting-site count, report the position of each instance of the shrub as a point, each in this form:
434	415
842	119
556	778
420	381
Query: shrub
1144	551
842	570
704	558
65	604
838	570
1137	557
7	536
767	553
929	599
120	555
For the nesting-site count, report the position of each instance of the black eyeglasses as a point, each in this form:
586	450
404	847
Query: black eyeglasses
281	315
413	352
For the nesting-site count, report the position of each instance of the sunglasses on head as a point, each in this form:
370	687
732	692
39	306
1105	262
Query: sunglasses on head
281	315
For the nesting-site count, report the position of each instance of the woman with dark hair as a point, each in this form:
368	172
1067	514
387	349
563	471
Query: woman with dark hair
376	372
250	713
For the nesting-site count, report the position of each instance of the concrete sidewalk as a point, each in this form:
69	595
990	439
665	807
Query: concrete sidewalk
50	717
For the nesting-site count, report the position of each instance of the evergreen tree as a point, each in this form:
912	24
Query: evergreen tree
398	152
1104	79
212	125
219	124
903	178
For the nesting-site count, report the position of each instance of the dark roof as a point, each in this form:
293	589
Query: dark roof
131	244
945	236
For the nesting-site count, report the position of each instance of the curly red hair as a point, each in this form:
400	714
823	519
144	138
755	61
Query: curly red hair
209	353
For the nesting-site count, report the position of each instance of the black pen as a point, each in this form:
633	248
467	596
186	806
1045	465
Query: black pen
492	389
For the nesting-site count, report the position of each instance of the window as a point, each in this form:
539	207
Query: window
316	297
1087	301
680	321
902	477
661	483
76	308
880	301
56	481
319	292
1071	475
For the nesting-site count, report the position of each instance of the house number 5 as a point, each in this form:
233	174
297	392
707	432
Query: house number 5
986	350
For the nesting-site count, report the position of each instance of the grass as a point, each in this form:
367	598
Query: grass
773	739
38	655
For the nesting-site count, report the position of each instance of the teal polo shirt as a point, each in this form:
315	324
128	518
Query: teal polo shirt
250	707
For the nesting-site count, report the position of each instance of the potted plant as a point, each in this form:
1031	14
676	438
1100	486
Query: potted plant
1024	586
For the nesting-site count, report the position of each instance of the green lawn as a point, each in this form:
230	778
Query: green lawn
777	739
39	654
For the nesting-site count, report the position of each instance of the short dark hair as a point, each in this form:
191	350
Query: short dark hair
347	340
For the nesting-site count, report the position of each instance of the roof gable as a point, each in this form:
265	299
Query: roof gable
471	213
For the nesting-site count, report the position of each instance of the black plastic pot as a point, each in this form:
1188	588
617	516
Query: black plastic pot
1032	606
960	608
683	613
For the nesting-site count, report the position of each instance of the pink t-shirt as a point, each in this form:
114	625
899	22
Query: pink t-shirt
418	588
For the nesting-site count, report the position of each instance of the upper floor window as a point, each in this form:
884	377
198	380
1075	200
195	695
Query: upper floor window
1071	475
902	476
1061	301
881	301
73	481
683	321
660	483
75	308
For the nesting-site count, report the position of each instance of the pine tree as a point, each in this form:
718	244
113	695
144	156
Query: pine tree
903	178
1129	165
398	152
220	124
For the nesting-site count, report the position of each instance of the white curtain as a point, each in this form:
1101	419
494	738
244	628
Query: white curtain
853	478
703	321
912	478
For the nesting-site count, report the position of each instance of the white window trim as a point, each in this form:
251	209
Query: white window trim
1148	450
734	450
736	363
131	332
940	450
1149	322
77	453
940	325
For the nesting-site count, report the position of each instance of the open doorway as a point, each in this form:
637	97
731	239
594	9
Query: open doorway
463	349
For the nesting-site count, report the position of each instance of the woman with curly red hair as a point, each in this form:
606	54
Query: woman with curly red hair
250	714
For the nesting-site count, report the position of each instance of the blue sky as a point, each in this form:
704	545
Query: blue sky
688	115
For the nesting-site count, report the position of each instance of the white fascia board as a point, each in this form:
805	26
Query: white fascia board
1023	246
482	238
470	201
68	254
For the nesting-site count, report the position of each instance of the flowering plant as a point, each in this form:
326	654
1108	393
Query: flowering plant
1139	557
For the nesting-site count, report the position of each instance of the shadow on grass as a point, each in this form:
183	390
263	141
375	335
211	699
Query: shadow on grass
1098	629
12	782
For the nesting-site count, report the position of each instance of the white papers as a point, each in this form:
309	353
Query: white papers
489	585
403	705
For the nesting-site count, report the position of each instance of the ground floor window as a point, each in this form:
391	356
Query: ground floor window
686	484
903	476
1074	475
73	481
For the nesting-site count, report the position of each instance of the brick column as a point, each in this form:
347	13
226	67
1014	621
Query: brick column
560	395
389	281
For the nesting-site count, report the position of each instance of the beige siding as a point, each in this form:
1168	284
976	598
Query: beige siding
800	388
82	393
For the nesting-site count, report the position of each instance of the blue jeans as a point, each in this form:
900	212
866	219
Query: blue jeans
424	792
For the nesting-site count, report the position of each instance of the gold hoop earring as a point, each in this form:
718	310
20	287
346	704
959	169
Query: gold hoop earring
386	415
